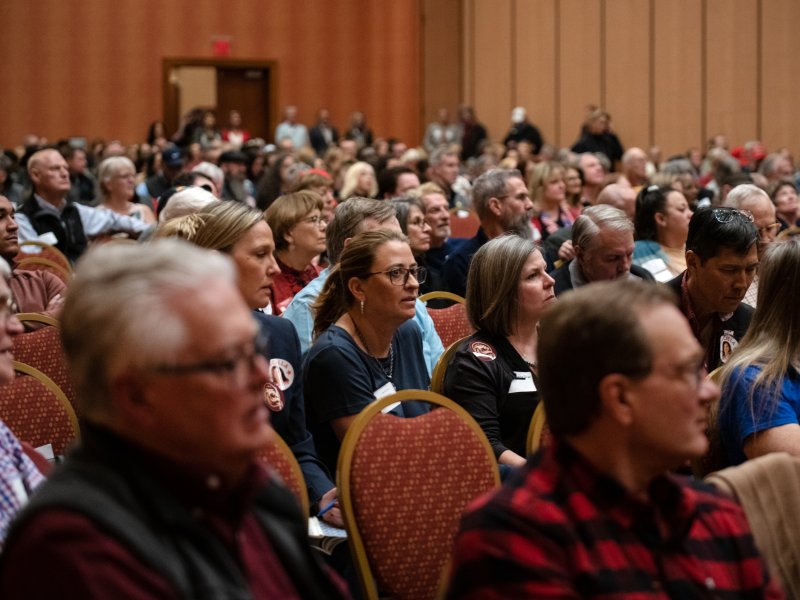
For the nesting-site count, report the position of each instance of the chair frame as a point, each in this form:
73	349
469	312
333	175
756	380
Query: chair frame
343	470
442	295
538	421
60	271
53	387
294	467
38	318
49	247
440	368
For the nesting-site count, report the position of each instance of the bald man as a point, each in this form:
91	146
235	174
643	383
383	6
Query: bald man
50	216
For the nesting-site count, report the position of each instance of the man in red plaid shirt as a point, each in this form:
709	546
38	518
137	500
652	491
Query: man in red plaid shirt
596	515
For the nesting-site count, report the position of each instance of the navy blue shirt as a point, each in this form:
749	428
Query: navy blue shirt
456	267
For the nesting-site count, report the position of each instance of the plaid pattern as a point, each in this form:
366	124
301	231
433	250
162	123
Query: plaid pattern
560	529
18	478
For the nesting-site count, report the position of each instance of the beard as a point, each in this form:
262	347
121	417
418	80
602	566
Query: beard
521	226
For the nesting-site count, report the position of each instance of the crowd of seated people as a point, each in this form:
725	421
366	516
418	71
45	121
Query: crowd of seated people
332	239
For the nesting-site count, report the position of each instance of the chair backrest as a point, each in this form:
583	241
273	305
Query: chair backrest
539	435
440	368
403	486
767	489
463	223
277	455
42	350
37	411
451	323
43	250
36	263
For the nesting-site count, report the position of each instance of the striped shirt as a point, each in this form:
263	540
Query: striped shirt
560	529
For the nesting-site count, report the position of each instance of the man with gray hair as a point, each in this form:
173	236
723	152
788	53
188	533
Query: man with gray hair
443	171
352	217
753	199
166	485
501	199
602	238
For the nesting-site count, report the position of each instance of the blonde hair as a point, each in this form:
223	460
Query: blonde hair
224	224
351	180
109	168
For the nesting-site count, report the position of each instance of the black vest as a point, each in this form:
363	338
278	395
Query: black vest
68	228
116	492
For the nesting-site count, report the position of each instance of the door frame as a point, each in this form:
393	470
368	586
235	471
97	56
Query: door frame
169	96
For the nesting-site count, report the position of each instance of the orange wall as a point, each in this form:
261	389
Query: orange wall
93	67
670	72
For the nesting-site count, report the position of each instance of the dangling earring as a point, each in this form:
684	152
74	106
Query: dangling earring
362	307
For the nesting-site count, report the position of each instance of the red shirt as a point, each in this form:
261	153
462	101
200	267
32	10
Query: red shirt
561	529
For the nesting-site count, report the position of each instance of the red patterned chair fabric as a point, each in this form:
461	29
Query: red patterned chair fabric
463	223
451	323
403	486
278	456
37	411
42	350
539	435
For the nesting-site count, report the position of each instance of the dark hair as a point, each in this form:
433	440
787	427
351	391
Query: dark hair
649	201
387	179
708	235
588	327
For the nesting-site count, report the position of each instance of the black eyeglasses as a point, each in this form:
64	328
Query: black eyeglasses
237	367
400	275
726	214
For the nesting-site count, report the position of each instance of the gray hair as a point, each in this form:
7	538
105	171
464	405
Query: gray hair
439	153
595	218
743	194
109	168
189	200
348	220
491	184
213	172
119	314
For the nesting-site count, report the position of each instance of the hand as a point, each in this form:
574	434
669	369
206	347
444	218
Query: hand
55	304
566	251
334	515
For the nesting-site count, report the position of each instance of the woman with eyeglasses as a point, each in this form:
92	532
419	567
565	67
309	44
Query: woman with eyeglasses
299	228
367	345
760	407
662	225
243	233
493	373
411	216
116	181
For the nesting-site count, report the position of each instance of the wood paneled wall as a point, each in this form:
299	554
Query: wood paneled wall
670	72
93	67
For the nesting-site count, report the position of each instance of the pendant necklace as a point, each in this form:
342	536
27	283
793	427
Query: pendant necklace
378	360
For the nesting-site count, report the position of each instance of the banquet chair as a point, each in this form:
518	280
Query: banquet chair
451	323
37	411
403	486
277	455
440	368
42	350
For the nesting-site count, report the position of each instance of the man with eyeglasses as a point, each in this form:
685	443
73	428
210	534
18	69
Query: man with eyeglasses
596	514
752	198
721	262
501	199
165	496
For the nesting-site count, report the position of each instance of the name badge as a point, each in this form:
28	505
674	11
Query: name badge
386	389
18	488
522	382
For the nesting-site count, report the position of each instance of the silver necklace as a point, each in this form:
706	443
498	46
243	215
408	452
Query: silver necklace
378	360
531	365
